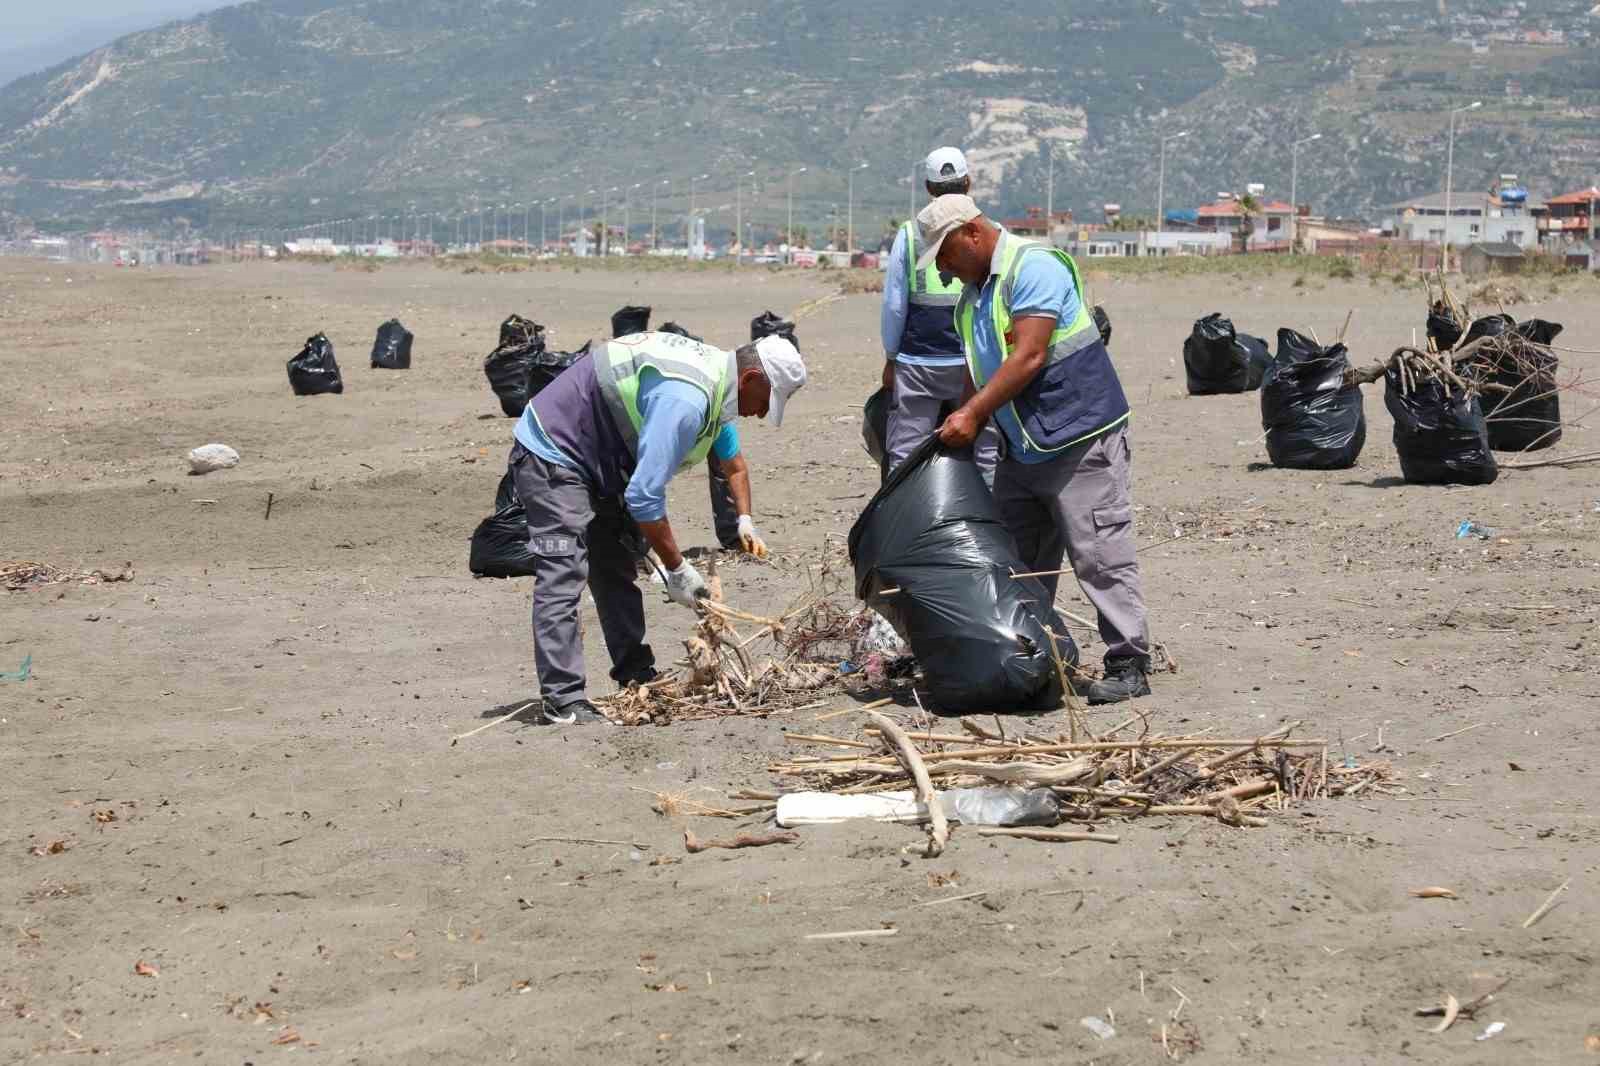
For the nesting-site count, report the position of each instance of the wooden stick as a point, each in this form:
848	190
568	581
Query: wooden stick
1165	764
1057	836
1340	338
811	738
1156	810
1103	745
854	710
951	899
854	934
1458	732
491	725
586	840
1069	695
939	830
1244	791
693	844
1209	770
1544	908
269	508
1565	460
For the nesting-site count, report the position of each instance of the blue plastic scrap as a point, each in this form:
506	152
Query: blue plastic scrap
1469	528
21	673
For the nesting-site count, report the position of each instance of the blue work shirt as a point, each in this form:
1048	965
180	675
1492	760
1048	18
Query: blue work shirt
672	412
896	305
1043	288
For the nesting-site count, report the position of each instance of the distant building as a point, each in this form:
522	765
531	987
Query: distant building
1474	218
1571	217
1500	257
1270	226
1034	224
1580	256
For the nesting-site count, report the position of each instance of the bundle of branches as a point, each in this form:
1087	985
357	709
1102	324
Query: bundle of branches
20	575
1232	780
730	668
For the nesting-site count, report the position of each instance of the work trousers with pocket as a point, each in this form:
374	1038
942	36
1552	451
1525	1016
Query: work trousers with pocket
577	540
1079	507
917	404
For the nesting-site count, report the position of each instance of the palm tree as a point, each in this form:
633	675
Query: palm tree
1248	207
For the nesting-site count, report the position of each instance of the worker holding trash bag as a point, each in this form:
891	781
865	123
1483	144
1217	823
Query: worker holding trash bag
593	454
924	371
1041	372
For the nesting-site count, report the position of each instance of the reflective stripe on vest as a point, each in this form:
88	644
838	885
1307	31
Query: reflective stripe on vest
618	364
1065	341
925	288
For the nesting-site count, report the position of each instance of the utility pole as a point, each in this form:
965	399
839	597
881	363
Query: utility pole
788	233
850	213
655	197
1050	191
738	217
1294	190
1449	177
1161	188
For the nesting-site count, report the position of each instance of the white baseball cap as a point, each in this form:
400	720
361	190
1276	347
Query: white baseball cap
945	164
939	219
785	371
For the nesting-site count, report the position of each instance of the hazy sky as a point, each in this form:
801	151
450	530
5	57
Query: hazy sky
22	22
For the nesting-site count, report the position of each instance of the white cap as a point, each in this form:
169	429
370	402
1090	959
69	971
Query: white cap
939	219
785	371
945	164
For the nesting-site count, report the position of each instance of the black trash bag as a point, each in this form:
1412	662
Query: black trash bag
1314	421
507	367
629	320
1444	329
392	349
315	370
1257	357
1439	432
505	494
934	532
768	324
1523	406
1102	322
500	544
546	366
673	327
875	426
1488	326
1212	362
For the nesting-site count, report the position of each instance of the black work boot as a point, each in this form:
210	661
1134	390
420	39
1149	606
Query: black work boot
1125	679
577	712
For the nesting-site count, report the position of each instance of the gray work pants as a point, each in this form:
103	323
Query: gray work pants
921	395
575	541
1079	506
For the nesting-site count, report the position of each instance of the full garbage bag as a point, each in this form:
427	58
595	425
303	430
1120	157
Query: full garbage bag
521	343
546	366
875	426
1439	431
1444	328
1520	398
500	544
628	320
673	327
1218	359
315	370
933	533
768	324
1314	421
392	348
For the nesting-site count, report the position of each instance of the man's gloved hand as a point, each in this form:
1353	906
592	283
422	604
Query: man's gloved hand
749	539
685	585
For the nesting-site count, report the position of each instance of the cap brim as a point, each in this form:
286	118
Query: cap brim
775	408
931	252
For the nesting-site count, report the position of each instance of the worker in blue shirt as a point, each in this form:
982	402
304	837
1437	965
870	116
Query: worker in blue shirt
593	454
1042	374
924	369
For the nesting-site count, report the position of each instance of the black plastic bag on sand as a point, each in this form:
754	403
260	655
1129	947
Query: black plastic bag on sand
315	370
933	532
1488	326
1216	359
628	320
507	367
1523	408
875	426
673	327
767	324
1102	322
505	494
1444	329
392	349
1439	432
1257	356
547	366
1314	421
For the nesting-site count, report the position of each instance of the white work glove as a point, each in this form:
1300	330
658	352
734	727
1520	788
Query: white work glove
685	585
749	539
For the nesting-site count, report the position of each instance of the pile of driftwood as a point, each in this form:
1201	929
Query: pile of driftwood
17	576
1096	781
737	663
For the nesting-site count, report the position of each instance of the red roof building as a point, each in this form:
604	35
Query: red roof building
1571	216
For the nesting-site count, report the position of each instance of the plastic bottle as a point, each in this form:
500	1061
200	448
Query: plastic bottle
1000	805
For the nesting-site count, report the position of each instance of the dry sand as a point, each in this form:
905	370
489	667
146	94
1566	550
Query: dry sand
266	709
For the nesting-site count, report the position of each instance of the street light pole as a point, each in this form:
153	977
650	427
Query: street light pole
687	235
1294	190
627	213
788	233
850	213
1161	187
1449	179
738	217
1050	191
655	196
605	228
